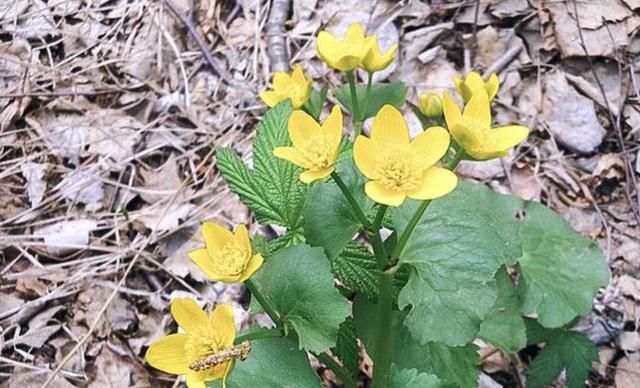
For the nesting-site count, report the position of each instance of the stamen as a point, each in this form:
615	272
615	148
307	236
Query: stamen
240	352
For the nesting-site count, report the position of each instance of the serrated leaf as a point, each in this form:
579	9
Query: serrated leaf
564	350
347	349
329	219
411	378
454	366
273	190
356	268
466	236
298	281
272	363
381	94
504	326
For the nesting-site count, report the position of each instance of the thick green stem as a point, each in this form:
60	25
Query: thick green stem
382	351
338	369
258	334
363	110
352	201
266	305
355	113
376	241
413	222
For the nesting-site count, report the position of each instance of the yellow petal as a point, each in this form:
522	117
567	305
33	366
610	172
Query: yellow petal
271	98
329	48
376	61
297	75
474	81
196	380
364	155
254	264
354	36
302	127
469	139
492	86
281	81
168	354
390	127
203	261
376	191
218	277
242	237
452	114
332	127
503	138
436	182
227	371
430	146
459	82
189	315
215	237
292	155
314	175
223	325
478	110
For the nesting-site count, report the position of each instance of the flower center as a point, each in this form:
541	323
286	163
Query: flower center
396	171
202	344
317	153
232	259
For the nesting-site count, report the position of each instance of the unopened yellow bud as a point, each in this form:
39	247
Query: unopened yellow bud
431	106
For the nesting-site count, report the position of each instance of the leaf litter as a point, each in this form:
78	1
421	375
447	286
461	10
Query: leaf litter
110	115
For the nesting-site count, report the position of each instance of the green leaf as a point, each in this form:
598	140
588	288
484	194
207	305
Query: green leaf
273	190
329	219
455	366
464	238
411	378
381	94
347	349
315	103
272	363
356	268
564	350
503	325
298	281
560	269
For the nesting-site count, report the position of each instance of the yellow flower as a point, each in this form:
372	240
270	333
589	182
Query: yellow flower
472	129
295	86
345	54
204	336
431	105
474	82
399	167
373	59
226	257
315	148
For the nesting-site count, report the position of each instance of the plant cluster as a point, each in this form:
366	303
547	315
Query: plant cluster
384	245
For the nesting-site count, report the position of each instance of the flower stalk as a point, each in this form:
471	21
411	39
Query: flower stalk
266	305
355	113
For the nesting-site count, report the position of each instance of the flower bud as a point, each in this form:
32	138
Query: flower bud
431	106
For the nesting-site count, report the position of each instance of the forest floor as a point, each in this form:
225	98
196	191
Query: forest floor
111	111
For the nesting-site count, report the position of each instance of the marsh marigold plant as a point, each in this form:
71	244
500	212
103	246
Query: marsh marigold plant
371	240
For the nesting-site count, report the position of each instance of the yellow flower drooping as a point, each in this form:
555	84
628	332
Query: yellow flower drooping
467	87
295	87
373	59
186	353
226	257
472	129
315	147
431	106
343	54
399	167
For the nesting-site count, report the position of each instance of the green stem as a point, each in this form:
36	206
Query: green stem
258	334
382	351
367	95
355	113
376	241
352	201
342	373
413	222
266	305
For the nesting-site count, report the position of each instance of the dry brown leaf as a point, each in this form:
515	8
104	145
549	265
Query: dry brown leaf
36	185
579	131
627	375
22	378
510	8
111	371
65	237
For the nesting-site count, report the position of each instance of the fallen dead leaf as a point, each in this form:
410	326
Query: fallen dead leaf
627	375
65	237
